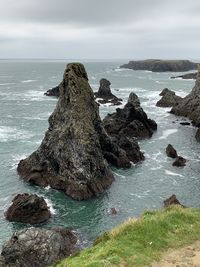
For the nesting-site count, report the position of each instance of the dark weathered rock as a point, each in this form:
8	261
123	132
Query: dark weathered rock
36	247
171	152
189	106
172	201
72	155
185	123
27	208
188	76
169	99
105	94
131	121
197	136
158	65
55	91
179	162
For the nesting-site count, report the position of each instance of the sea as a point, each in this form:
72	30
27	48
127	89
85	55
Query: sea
24	112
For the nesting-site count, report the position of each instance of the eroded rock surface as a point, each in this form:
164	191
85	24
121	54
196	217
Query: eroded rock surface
131	121
179	162
36	247
187	76
169	99
104	95
74	152
27	208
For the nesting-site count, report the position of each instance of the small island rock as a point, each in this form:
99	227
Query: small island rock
27	208
172	200
171	152
105	94
169	99
179	162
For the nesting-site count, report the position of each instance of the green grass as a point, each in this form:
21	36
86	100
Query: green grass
139	242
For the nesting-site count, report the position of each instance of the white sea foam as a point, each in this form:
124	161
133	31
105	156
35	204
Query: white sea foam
167	132
173	173
12	133
1	84
15	160
50	205
28	81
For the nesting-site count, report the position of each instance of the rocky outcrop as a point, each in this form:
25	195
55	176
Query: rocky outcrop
179	162
172	201
55	91
72	156
27	208
104	95
169	99
188	76
36	247
171	152
131	121
158	65
197	135
189	106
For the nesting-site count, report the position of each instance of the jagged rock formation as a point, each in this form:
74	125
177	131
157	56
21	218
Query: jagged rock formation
172	200
55	91
158	65
169	99
171	151
187	76
27	208
72	154
131	121
36	247
189	106
105	94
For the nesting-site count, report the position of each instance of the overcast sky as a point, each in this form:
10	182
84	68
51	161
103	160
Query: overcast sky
99	29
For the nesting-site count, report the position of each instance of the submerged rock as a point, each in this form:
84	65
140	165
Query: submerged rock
188	76
131	121
36	247
158	65
106	95
55	91
179	162
27	208
72	156
169	99
172	201
171	152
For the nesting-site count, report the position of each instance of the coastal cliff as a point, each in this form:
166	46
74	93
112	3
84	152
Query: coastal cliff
158	65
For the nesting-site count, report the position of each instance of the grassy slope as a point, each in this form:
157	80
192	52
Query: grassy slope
139	242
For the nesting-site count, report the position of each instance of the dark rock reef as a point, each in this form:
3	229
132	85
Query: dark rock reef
179	162
172	200
131	121
171	151
55	91
36	247
188	76
72	156
169	99
189	106
105	94
27	208
158	65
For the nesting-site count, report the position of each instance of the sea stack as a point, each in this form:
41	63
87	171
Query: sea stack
74	152
104	94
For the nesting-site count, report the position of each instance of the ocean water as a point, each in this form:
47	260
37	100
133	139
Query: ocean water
24	112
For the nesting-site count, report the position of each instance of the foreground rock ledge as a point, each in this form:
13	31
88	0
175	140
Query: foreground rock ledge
35	247
72	154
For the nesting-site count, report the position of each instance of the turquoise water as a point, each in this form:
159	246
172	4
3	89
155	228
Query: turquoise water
23	121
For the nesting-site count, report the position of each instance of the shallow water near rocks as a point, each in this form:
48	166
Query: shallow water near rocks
24	120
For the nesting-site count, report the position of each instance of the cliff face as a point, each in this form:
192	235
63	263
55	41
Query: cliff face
157	65
72	154
189	106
